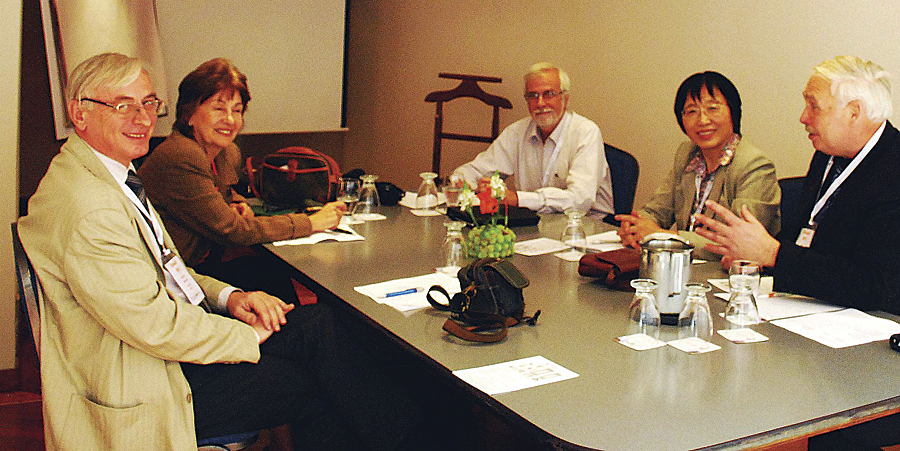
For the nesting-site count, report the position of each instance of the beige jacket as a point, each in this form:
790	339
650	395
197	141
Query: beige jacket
111	335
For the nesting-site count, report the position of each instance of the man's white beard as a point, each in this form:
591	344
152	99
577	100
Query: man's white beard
546	120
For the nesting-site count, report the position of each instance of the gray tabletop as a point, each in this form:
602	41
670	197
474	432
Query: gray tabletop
742	395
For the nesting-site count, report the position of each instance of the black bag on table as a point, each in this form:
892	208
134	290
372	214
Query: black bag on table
294	177
490	302
388	193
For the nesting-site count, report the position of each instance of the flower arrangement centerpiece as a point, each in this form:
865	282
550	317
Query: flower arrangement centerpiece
491	239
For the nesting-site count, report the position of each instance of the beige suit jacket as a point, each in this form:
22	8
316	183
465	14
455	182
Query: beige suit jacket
111	335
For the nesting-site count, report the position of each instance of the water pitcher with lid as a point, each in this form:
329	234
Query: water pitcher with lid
666	258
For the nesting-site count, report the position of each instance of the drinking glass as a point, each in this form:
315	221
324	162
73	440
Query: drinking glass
743	281
695	319
574	235
348	193
427	197
744	272
451	189
453	247
368	203
643	315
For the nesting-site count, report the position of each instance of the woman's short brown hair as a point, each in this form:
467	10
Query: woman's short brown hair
204	82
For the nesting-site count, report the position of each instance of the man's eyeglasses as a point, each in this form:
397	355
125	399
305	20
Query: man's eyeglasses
547	95
713	110
150	106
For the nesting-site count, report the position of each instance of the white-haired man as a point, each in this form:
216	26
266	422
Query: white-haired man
841	252
556	156
131	355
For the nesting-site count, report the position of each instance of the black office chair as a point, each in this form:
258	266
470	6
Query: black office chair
29	287
29	292
791	187
624	170
231	442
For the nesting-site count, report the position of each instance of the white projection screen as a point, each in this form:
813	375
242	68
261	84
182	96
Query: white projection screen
292	51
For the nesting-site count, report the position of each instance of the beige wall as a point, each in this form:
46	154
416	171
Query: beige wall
626	60
10	36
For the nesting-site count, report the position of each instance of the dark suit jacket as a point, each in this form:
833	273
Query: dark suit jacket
854	258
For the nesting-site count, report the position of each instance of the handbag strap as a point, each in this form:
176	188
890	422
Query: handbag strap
490	332
253	164
433	302
484	327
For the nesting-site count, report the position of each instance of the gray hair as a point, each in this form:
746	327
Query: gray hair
537	68
103	71
853	78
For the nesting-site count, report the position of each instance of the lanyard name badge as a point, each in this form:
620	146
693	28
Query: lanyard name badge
804	239
700	199
173	264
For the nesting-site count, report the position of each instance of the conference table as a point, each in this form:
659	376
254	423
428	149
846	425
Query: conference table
767	394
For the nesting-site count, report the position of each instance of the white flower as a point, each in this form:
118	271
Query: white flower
467	198
498	188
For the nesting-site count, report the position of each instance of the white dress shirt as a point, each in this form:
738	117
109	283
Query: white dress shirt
567	170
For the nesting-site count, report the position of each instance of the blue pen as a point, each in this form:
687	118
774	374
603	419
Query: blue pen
402	292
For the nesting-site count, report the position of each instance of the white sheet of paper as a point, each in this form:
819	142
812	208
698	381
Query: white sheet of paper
411	301
539	246
784	305
514	375
570	255
409	200
848	327
427	212
369	217
324	236
602	242
603	247
765	284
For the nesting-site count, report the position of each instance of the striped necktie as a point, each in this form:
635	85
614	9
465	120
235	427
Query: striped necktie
133	182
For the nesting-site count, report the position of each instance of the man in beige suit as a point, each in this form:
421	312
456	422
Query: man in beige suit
132	357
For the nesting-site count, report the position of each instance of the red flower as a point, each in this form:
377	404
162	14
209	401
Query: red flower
489	205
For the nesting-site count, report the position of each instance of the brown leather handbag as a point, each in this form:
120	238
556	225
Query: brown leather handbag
617	268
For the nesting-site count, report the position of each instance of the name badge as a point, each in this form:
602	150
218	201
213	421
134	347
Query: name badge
806	236
175	266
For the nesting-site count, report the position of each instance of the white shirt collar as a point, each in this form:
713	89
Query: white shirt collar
119	172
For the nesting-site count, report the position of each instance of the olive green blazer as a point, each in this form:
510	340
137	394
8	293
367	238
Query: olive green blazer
749	179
